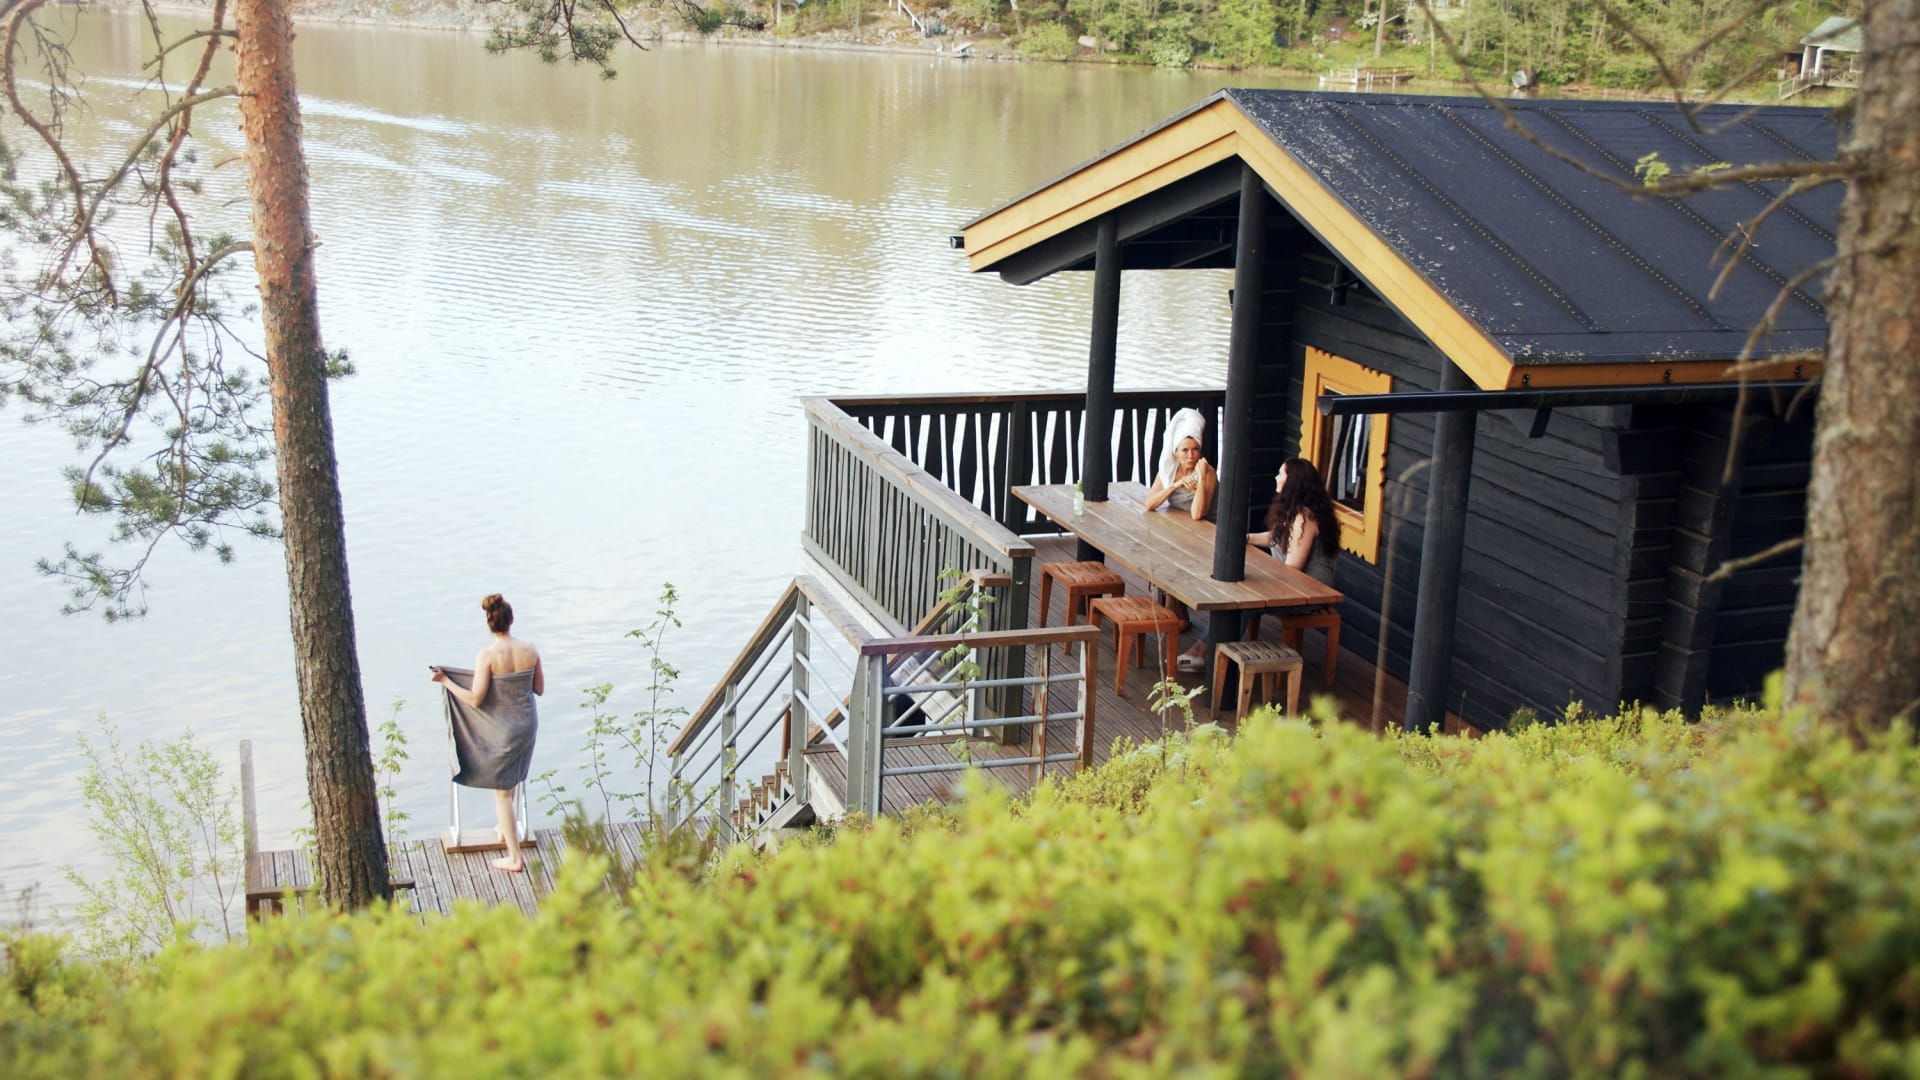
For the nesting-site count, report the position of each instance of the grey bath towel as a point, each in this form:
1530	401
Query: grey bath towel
492	746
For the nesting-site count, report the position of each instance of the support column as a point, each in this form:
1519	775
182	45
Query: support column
1096	429
1441	551
1243	352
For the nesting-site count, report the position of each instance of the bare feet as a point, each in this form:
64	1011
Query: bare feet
509	866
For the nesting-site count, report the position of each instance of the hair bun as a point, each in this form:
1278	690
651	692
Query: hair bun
493	602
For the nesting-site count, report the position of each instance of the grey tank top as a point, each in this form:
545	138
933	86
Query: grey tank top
1319	564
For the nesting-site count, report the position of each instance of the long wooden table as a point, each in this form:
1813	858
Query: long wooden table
1175	552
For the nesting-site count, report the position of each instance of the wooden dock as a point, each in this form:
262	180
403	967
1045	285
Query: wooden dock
1363	78
432	880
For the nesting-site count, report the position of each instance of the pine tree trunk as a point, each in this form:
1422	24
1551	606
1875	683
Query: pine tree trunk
340	781
1854	652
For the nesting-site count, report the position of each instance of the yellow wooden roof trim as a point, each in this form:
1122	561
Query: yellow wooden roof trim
1656	372
1157	159
1219	131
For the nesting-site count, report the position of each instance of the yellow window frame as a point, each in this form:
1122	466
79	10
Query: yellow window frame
1359	530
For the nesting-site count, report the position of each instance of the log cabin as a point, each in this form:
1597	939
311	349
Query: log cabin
1553	406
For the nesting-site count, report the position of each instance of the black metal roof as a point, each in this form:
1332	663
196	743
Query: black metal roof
1559	266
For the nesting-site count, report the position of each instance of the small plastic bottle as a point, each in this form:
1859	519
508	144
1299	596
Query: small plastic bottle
1079	501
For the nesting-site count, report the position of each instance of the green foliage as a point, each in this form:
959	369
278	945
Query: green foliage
1628	896
1240	32
393	755
1047	41
1173	703
166	825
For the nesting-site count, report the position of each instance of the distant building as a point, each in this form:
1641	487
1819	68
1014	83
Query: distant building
1831	53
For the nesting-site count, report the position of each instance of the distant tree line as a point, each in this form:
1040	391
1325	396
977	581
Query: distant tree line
1601	43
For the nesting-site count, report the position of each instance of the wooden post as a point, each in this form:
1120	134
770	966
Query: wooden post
1040	696
1090	668
1441	550
796	751
249	830
728	722
1018	439
864	706
801	646
1243	355
1096	445
1096	425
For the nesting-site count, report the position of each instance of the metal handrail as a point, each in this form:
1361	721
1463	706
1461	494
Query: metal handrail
777	621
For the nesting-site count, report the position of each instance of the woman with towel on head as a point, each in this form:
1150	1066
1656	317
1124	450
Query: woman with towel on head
493	736
1186	482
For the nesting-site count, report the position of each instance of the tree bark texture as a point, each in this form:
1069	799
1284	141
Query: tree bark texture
1853	655
352	858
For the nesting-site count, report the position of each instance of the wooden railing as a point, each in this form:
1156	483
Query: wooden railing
886	528
981	446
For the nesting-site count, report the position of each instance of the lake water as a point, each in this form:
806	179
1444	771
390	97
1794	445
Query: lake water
583	314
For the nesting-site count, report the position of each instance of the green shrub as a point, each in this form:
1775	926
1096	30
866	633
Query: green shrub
1047	41
1628	896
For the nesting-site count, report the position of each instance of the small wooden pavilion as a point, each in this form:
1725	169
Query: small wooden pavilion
1519	375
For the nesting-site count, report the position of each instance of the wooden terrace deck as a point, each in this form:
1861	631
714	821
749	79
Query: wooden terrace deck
1115	717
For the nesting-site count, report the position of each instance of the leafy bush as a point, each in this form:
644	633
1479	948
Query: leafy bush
1241	32
164	817
1048	41
1632	896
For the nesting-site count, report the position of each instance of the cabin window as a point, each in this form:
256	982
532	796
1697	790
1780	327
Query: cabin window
1349	451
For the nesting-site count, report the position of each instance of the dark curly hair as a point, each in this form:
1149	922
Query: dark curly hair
1303	494
499	613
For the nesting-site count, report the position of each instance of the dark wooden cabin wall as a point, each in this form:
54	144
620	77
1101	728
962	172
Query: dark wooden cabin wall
1543	596
1691	639
1756	603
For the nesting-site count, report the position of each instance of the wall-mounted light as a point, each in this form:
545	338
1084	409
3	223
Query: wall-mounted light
957	241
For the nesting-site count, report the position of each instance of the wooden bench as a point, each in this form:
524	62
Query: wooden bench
1133	618
1082	580
1266	660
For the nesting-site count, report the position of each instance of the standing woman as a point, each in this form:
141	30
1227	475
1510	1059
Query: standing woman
1301	529
493	736
1186	482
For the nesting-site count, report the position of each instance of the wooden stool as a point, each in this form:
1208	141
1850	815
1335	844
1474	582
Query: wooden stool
1267	659
1133	617
1293	630
1082	580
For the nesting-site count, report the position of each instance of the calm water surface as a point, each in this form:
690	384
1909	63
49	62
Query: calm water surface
583	314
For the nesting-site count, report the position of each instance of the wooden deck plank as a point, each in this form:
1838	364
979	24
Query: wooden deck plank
439	879
552	850
453	881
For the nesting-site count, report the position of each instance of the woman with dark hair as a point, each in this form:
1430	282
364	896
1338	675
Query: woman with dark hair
493	737
1301	532
1301	529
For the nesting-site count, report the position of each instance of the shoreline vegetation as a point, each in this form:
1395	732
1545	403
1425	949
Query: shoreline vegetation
1637	895
1559	45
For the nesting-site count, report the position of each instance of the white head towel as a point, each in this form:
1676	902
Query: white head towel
1185	424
